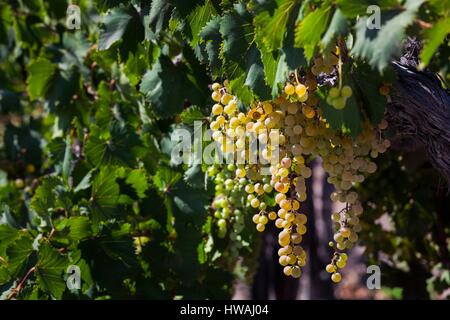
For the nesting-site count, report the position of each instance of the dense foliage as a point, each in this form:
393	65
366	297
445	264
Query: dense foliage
87	116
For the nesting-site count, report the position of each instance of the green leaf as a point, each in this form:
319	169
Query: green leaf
41	72
373	102
238	88
117	150
121	24
237	33
139	181
277	66
157	18
45	197
57	149
433	38
192	114
189	208
80	228
195	177
270	62
49	271
18	253
166	86
338	26
136	65
165	178
9	102
7	236
379	46
197	20
309	30
54	82
354	8
347	119
105	195
212	40
255	74
241	54
272	27
85	183
104	5
67	161
86	276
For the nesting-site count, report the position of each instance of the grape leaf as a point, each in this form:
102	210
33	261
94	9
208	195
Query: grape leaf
156	18
49	269
166	86
9	102
379	46
165	178
7	236
138	180
212	40
116	150
197	20
272	27
45	196
192	114
242	56
309	30
104	195
124	25
80	228
41	73
338	26
374	102
433	38
18	253
354	8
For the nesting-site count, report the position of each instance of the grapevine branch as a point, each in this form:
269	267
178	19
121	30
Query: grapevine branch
21	283
420	108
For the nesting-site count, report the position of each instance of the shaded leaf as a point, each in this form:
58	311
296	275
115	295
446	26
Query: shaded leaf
122	24
116	150
41	73
104	196
49	269
139	181
379	46
197	20
338	26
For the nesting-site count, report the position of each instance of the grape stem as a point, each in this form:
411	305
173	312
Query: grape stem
296	76
340	70
19	287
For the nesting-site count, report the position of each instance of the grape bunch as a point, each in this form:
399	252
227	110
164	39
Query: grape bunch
293	128
325	64
338	98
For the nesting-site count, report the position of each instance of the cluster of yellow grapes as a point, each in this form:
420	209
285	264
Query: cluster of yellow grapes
338	98
325	64
294	128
